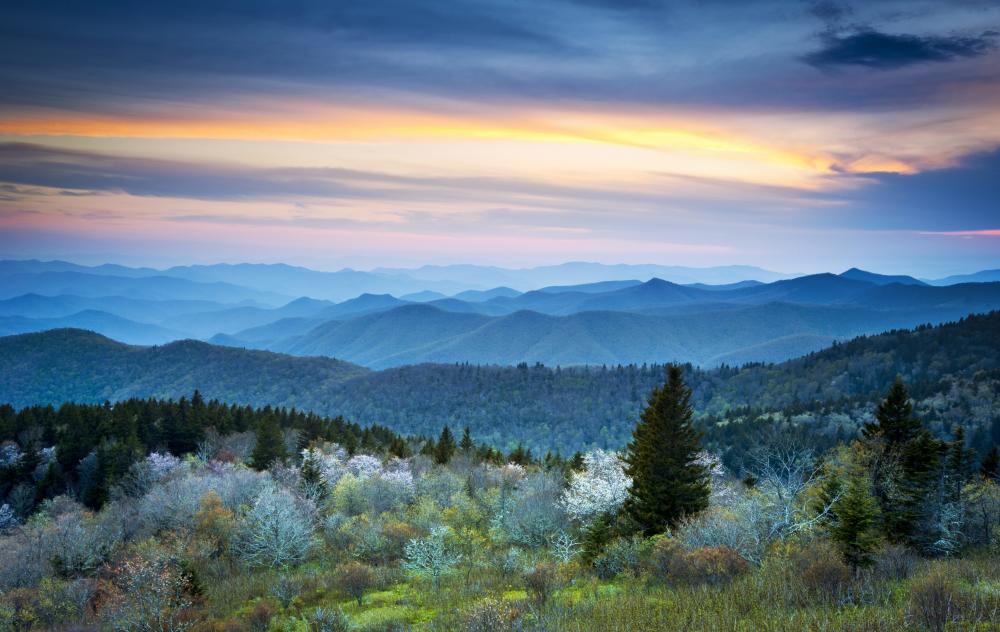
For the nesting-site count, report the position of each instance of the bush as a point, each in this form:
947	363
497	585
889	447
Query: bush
896	563
491	615
935	600
323	620
147	595
541	582
661	556
354	579
706	565
621	556
259	617
821	570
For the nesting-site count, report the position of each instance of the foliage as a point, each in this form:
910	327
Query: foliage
600	489
431	556
275	531
854	518
668	483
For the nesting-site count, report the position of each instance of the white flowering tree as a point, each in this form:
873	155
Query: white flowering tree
275	532
601	488
364	465
431	556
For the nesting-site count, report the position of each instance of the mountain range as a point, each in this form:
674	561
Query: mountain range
601	321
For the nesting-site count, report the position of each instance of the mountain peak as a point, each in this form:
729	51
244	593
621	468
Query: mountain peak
857	274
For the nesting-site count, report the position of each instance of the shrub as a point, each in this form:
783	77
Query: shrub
491	615
354	579
286	588
324	620
213	524
935	600
707	565
147	595
661	555
821	570
620	556
396	535
541	582
896	563
259	617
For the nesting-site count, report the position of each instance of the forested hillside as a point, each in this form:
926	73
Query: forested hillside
953	370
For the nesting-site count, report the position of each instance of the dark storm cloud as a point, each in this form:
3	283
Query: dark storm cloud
881	50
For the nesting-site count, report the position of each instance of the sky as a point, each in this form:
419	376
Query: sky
796	135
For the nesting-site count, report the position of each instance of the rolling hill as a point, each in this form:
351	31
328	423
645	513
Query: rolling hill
953	371
76	365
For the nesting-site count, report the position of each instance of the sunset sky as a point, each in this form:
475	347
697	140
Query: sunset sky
798	136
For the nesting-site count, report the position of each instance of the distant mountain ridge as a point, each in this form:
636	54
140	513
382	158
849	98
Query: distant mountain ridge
596	321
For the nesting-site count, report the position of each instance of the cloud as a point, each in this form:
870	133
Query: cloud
958	199
884	51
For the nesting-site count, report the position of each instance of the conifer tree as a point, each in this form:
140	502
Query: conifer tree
854	518
398	448
990	467
445	448
466	444
270	445
960	460
907	464
667	481
311	477
894	420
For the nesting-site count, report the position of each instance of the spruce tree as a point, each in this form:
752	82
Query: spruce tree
311	476
894	420
990	467
445	447
960	460
853	522
270	445
667	481
906	465
466	444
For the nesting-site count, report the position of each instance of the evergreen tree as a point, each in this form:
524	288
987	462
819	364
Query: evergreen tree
521	455
466	444
398	448
596	537
894	421
445	447
667	481
960	460
311	477
270	445
906	466
990	467
854	518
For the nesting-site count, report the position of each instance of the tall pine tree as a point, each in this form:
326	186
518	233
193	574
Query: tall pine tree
445	447
270	445
667	481
894	421
466	445
854	521
906	468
